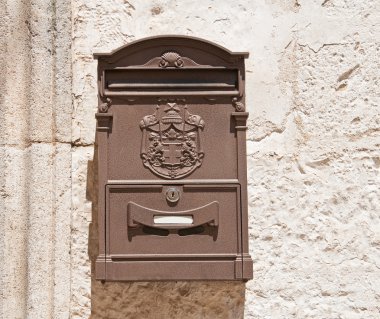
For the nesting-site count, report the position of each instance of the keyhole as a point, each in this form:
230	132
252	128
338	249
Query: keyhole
172	195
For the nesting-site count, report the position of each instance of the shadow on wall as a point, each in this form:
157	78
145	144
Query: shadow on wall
156	300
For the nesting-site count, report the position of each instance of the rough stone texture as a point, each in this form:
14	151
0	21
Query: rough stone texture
35	157
313	154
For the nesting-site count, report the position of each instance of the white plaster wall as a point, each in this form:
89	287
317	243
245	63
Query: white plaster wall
313	156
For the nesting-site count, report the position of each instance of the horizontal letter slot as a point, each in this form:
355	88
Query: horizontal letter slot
138	216
148	81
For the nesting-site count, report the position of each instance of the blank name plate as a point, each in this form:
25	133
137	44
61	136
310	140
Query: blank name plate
185	219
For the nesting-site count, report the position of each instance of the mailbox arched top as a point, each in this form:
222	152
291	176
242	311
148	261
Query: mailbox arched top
181	45
171	65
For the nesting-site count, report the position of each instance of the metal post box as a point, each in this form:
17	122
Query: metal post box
171	128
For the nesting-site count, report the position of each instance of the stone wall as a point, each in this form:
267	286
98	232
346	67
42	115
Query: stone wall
313	157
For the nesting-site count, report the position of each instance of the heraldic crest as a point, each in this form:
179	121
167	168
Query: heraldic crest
171	146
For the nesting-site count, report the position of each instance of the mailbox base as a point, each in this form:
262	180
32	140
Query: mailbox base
168	270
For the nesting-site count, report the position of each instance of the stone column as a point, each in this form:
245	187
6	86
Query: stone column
35	158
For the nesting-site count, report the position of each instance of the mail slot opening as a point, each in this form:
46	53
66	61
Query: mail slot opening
185	219
181	232
155	231
144	81
191	231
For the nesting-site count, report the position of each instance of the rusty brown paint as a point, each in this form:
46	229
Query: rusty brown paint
171	127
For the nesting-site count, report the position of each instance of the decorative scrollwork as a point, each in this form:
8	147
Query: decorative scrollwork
171	59
239	106
103	107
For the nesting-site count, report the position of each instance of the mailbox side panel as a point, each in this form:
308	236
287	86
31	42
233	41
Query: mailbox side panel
104	122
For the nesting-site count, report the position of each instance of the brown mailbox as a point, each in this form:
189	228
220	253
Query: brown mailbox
171	129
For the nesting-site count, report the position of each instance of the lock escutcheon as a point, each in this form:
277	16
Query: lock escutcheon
172	194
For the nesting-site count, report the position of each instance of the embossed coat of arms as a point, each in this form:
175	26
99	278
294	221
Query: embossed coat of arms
171	144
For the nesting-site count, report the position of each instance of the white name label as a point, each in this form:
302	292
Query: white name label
186	219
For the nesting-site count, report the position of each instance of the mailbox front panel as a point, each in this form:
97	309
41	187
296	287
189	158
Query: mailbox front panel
212	228
212	157
172	162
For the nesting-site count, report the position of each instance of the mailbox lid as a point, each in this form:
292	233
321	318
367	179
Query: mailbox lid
131	69
214	209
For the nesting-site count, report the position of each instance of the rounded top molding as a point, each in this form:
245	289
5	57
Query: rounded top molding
179	40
